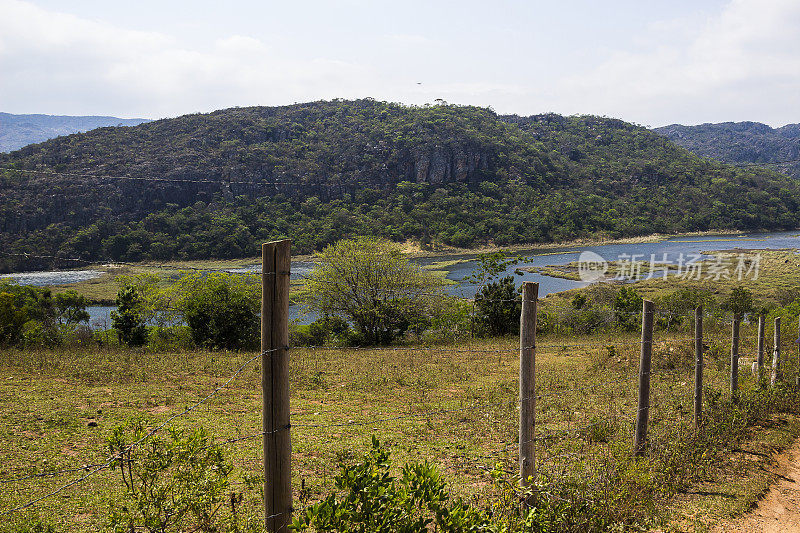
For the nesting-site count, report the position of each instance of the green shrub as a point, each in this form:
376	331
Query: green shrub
128	319
627	309
498	306
451	321
320	332
222	310
177	483
368	499
30	316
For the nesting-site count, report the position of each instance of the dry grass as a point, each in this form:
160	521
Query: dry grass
454	405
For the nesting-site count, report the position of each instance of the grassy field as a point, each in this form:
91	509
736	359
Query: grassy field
454	405
777	282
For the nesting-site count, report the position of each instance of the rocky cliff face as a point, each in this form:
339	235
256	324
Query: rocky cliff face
441	165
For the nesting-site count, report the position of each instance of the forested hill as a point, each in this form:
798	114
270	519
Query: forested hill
741	142
17	131
217	184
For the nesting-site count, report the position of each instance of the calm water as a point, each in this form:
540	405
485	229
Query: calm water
669	249
44	279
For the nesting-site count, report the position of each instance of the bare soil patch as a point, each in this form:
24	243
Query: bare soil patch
779	509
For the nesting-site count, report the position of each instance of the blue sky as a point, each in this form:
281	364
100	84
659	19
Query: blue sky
653	63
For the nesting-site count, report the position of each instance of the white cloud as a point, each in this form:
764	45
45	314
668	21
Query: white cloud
742	65
77	66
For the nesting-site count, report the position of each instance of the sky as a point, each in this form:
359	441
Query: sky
649	62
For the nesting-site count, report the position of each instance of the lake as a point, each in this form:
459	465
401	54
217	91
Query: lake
669	249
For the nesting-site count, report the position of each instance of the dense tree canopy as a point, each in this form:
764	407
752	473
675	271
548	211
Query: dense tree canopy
217	184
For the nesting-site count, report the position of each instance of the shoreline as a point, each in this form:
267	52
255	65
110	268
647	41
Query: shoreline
412	250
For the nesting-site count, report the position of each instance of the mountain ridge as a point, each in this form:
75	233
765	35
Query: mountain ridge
19	130
216	184
741	142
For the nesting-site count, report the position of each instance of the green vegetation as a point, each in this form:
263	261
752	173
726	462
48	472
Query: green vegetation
370	283
367	498
128	319
741	142
173	484
221	310
446	413
323	171
32	316
453	406
497	302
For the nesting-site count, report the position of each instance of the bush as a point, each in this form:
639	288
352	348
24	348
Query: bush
452	320
497	308
128	319
627	309
177	483
222	310
320	332
367	498
12	319
30	316
739	301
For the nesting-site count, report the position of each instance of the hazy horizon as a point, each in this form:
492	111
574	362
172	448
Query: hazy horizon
652	64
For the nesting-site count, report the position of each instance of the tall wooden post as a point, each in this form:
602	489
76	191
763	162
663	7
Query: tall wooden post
643	411
737	318
698	367
776	353
276	264
797	379
760	351
527	381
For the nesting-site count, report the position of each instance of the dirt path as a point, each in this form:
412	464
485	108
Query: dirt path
779	509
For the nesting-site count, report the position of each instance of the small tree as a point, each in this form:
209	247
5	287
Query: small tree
369	282
497	308
12	319
71	308
739	301
627	308
128	319
497	302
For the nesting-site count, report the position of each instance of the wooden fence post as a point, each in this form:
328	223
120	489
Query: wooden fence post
760	353
797	379
276	264
776	353
643	411
737	318
698	367
527	381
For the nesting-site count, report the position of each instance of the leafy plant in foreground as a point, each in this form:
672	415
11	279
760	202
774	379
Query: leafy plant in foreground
177	483
368	499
